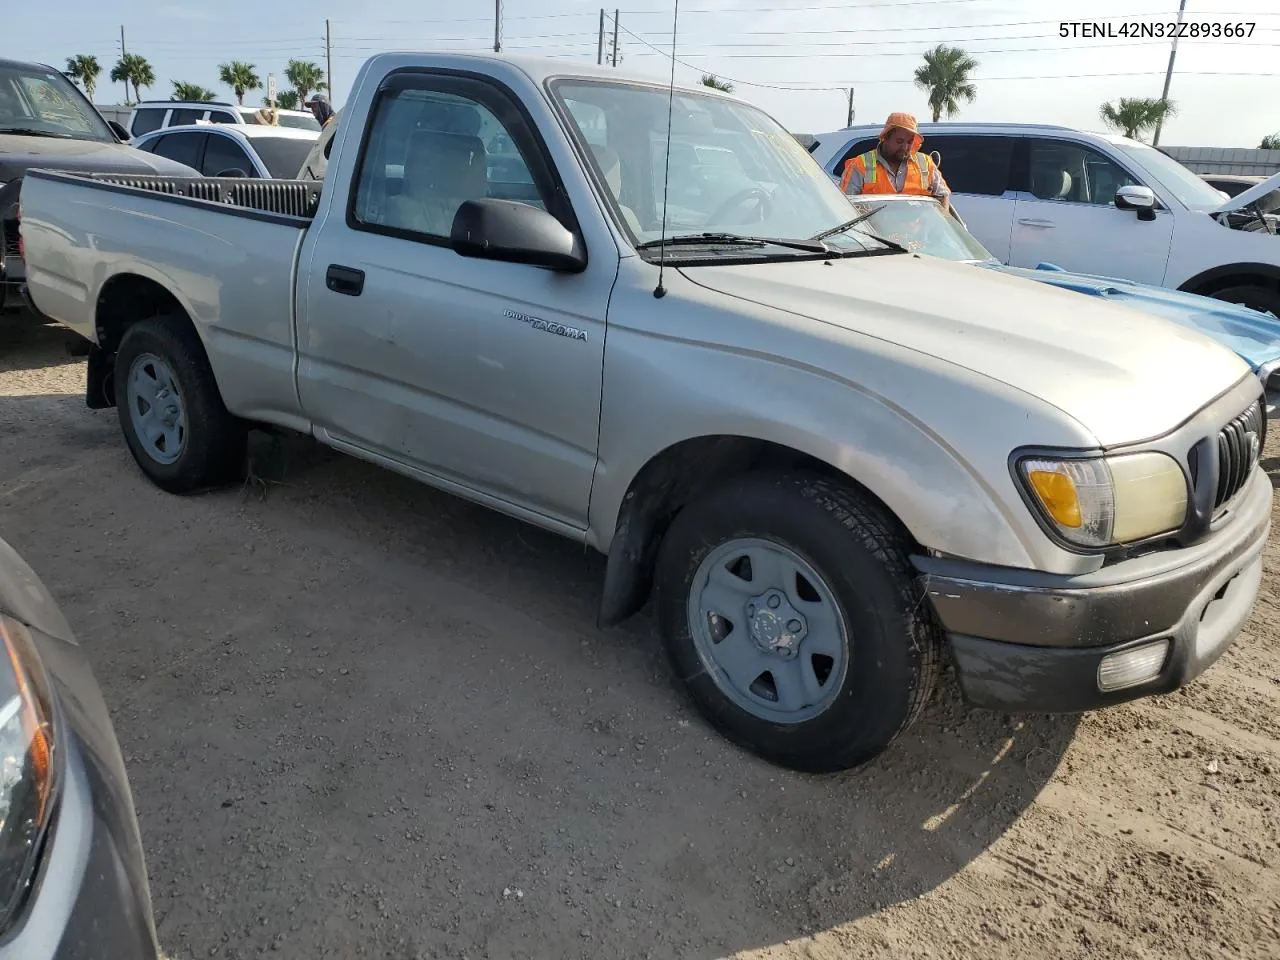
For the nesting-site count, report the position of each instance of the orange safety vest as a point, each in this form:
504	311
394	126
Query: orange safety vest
868	165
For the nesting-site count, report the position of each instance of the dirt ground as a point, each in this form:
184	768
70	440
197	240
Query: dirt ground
365	719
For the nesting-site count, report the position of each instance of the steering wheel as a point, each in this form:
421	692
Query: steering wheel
756	193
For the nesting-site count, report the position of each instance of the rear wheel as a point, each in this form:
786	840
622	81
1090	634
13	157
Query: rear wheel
171	413
1257	297
791	614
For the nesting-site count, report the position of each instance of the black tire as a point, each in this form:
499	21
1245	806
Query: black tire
1259	298
213	450
894	640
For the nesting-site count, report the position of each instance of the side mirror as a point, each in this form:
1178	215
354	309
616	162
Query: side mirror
119	130
515	233
1141	199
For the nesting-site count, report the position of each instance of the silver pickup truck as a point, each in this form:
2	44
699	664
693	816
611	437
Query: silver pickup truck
829	461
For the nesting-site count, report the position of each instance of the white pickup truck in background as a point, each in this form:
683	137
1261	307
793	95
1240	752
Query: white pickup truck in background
828	459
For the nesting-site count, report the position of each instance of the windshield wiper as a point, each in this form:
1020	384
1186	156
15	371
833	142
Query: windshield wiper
850	224
31	132
707	239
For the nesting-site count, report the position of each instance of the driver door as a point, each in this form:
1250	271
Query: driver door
1068	217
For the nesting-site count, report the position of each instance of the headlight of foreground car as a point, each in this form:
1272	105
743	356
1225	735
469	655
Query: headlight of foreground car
26	765
1106	501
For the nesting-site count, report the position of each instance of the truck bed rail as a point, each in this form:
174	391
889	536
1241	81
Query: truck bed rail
293	198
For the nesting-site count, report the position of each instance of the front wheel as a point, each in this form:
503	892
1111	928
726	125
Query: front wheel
791	614
171	413
1259	298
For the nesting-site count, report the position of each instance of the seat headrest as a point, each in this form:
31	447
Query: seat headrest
1050	183
443	165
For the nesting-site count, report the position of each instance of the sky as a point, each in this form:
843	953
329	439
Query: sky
793	58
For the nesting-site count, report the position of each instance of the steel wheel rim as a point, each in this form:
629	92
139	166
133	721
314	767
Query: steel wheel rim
156	408
743	628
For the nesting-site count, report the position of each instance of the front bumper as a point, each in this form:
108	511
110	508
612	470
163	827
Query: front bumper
1028	641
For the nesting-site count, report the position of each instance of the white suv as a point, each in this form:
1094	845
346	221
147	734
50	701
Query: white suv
1098	204
152	115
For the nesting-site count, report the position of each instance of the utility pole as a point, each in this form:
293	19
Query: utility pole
1168	74
124	53
849	121
615	37
497	26
328	60
600	45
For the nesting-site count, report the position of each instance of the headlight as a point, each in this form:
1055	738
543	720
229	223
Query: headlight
1107	501
26	764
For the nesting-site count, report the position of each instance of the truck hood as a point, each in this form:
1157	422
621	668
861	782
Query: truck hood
19	154
1121	374
1252	195
1253	335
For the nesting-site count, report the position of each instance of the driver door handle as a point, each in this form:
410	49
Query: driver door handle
1037	222
345	280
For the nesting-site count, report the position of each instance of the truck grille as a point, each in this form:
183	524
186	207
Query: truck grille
1239	446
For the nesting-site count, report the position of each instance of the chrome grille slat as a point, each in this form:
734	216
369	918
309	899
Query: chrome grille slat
1239	445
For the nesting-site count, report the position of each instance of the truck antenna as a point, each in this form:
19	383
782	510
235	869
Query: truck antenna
660	291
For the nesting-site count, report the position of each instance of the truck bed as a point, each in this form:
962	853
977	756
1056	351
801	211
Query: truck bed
225	248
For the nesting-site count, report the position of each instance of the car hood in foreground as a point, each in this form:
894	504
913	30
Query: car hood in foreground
1255	336
18	154
1108	367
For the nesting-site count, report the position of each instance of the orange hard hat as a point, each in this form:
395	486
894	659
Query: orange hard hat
903	121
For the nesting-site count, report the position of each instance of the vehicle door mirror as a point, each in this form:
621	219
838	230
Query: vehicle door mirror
1141	199
119	130
515	232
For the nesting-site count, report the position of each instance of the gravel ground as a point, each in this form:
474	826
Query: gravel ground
365	719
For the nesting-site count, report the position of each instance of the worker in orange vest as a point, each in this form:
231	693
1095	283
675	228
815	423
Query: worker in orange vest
896	165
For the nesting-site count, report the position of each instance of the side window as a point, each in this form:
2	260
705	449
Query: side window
185	117
434	142
222	116
1074	173
974	165
859	147
146	119
221	154
182	147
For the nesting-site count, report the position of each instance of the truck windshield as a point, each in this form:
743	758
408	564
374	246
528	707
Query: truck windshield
733	170
38	101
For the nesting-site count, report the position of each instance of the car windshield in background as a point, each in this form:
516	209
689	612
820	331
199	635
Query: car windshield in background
921	226
282	156
733	170
43	102
297	123
1189	189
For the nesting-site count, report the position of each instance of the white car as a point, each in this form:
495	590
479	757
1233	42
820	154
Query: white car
271	153
1098	204
152	115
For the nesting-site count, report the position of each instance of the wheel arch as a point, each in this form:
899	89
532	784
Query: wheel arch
1208	282
675	477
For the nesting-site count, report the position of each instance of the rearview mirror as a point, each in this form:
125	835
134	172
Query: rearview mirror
515	233
1141	199
232	172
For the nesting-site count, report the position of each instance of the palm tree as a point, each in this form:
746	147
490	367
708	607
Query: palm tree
715	83
192	92
1270	142
1132	116
239	76
945	77
305	77
134	69
287	99
84	69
